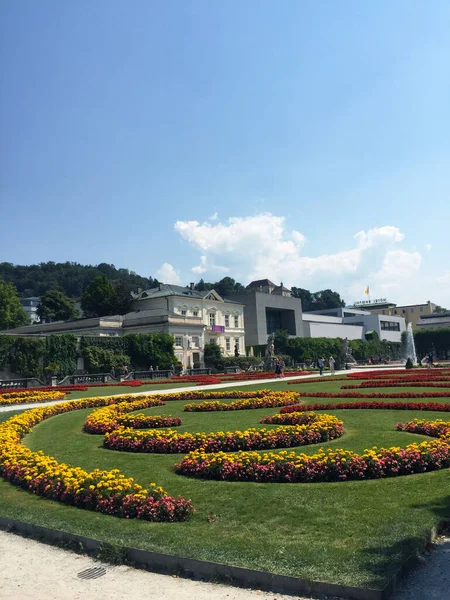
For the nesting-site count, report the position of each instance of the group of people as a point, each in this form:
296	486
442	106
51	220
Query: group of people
321	365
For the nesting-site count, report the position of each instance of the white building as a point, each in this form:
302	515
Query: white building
352	324
201	317
30	306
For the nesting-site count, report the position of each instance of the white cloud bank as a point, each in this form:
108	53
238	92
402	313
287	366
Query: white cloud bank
260	246
167	274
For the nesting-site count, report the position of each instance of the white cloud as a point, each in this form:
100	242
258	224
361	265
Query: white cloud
399	264
377	235
214	216
263	245
167	274
428	247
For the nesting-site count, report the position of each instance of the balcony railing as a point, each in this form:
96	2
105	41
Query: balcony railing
217	328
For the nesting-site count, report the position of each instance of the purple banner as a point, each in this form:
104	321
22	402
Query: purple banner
218	328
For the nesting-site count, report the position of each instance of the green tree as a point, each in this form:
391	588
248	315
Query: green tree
12	313
99	299
124	300
99	360
212	355
325	299
440	309
305	296
55	306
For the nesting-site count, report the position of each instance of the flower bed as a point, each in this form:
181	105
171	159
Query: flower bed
10	399
388	384
325	466
267	400
317	428
376	395
432	406
262	375
108	492
109	418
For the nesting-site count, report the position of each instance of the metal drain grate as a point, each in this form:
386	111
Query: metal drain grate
92	573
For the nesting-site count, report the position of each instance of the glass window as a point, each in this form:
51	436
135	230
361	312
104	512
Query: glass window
227	344
412	309
195	313
178	340
183	312
421	309
195	341
227	320
390	326
236	321
212	319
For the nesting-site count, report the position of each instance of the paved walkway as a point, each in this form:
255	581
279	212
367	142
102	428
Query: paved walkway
31	570
212	386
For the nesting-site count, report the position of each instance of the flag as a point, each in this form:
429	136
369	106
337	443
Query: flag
367	290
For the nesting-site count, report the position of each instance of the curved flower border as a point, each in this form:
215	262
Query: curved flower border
108	492
313	429
326	466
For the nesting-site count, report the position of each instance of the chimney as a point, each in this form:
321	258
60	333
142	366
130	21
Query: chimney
192	285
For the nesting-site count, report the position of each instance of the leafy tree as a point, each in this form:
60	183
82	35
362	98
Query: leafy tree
99	299
55	306
69	277
305	296
225	287
321	300
124	301
440	309
12	313
327	299
212	354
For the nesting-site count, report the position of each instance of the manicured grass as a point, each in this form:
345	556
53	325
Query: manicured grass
111	390
355	533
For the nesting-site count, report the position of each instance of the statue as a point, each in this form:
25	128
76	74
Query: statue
269	358
345	357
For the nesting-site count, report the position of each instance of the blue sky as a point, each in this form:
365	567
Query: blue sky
250	139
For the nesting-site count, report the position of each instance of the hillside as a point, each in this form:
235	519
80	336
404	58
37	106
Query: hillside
71	278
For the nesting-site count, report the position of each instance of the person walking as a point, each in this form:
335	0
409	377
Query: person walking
277	368
321	364
331	363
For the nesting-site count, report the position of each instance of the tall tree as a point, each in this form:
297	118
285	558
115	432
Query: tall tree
99	299
56	306
327	299
440	309
124	300
305	296
12	313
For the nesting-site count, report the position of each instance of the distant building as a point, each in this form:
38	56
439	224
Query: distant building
434	321
267	308
30	306
193	318
353	324
410	312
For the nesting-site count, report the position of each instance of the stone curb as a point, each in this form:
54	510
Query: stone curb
205	570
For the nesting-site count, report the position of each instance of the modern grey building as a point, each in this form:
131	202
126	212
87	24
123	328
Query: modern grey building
434	321
267	308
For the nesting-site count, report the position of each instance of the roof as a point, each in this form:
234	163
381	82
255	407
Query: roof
261	283
281	288
445	316
165	290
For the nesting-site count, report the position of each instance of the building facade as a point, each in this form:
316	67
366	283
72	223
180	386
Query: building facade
220	320
30	306
434	321
267	308
410	312
353	324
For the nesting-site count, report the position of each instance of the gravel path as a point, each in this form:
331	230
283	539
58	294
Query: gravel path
34	571
212	386
431	580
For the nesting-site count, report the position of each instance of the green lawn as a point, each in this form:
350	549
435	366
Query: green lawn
355	533
111	390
